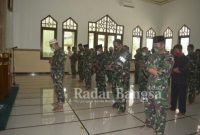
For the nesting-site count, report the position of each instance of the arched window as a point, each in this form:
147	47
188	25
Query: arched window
69	33
137	40
48	32
184	38
168	34
149	35
104	31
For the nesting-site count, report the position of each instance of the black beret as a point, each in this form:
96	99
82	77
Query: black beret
158	39
99	46
80	44
86	46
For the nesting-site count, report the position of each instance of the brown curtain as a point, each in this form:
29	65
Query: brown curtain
3	9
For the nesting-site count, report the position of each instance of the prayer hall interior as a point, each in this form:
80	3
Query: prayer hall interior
27	26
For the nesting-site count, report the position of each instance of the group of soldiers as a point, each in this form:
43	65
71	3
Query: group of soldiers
153	71
194	73
113	65
193	76
155	109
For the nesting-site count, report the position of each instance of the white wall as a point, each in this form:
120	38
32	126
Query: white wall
28	14
180	12
9	29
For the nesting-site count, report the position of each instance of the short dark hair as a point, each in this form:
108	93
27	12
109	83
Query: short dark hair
119	41
178	46
159	39
197	50
191	46
80	45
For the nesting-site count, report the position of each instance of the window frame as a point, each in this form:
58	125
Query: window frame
168	36
186	36
70	30
139	36
148	36
106	33
41	35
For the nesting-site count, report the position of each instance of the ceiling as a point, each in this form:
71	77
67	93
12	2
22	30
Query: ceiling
159	2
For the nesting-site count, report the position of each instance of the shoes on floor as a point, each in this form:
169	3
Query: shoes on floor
181	114
172	109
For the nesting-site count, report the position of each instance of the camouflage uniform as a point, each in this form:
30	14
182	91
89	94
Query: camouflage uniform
100	73
142	77
80	64
137	59
120	77
57	73
109	57
73	59
192	78
198	73
88	63
155	108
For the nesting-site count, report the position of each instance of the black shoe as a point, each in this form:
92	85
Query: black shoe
121	108
115	105
172	109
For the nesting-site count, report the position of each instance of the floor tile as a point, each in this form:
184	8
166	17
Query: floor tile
111	124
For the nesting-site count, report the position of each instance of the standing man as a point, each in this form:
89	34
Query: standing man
88	63
73	59
137	56
197	52
142	77
57	74
120	67
100	71
109	56
158	65
179	80
80	62
192	74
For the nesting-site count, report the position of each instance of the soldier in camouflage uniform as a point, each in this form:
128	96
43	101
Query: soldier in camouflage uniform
192	82
57	74
120	71
142	77
137	61
127	71
88	63
109	56
158	65
198	69
100	71
80	62
73	60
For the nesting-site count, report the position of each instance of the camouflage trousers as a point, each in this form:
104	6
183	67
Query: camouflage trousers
155	111
81	71
100	82
57	77
73	69
109	75
136	74
192	87
119	86
142	81
87	76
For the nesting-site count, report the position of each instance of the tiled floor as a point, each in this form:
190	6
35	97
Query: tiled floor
32	113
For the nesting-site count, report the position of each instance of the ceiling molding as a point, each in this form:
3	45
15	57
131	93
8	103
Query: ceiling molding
159	2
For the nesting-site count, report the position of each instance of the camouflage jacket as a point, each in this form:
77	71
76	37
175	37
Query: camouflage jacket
121	62
80	56
163	63
57	60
